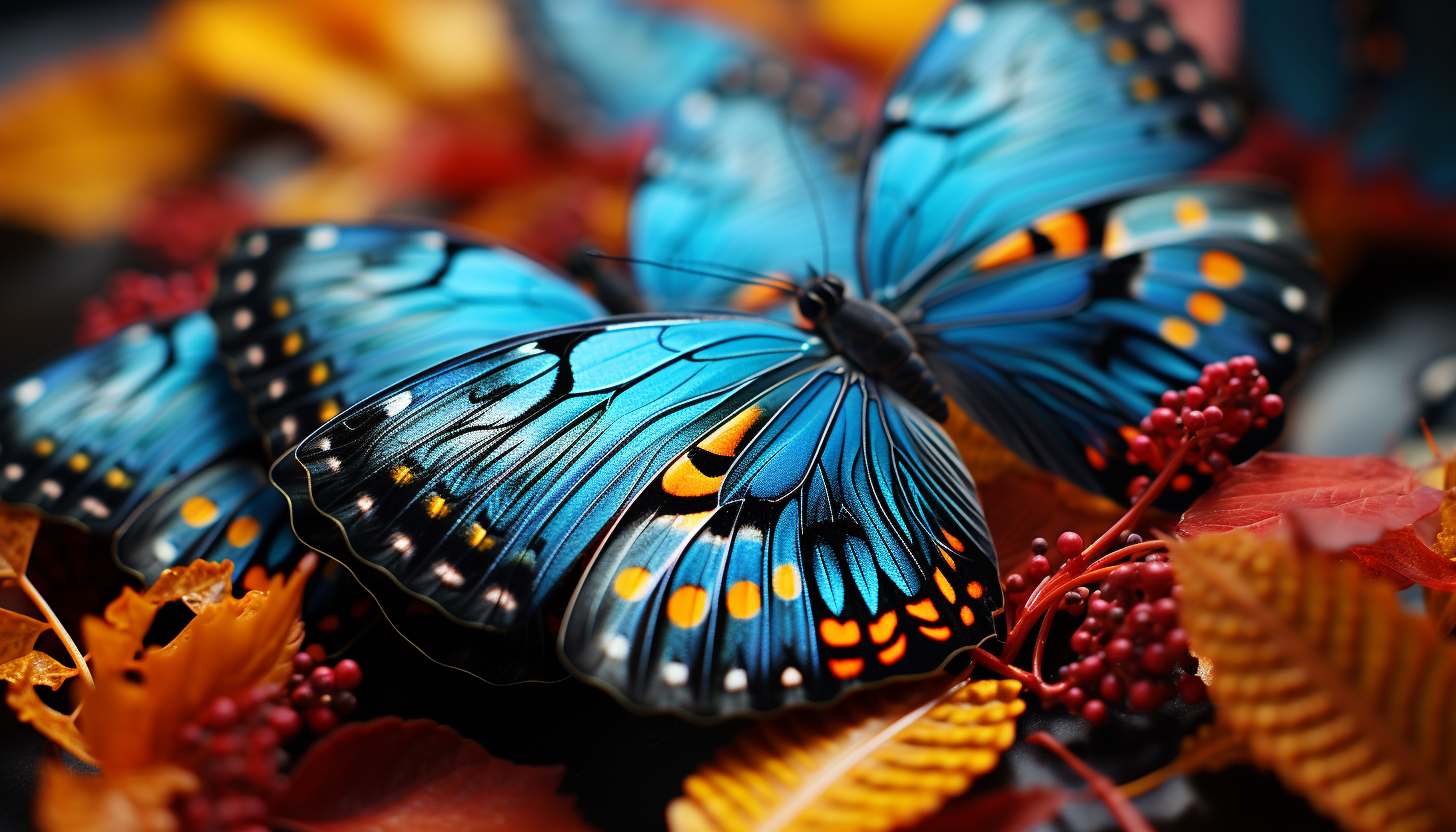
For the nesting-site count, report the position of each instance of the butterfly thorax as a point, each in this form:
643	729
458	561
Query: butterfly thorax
874	340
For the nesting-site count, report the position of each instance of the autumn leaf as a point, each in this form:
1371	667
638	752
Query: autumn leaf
880	760
129	801
18	634
18	528
55	726
1329	683
389	775
1211	748
197	586
1368	505
40	668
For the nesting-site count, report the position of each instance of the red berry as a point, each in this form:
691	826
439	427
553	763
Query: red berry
1172	398
1157	578
1119	577
1142	695
1164	420
263	738
347	675
344	702
285	721
192	734
1192	689
224	745
1165	612
1141	447
221	713
321	679
1141	615
1015	584
1070	544
1177	642
1091	668
1095	711
1038	568
1271	405
1157	660
1218	374
1098	607
1073	698
302	663
321	719
1081	642
197	812
1111	688
1039	546
235	810
1194	420
1212	415
1119	650
302	696
1235	387
1146	425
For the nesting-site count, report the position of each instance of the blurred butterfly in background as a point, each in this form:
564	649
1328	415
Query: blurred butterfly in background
774	515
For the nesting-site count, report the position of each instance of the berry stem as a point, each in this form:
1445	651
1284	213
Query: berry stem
1144	500
1011	671
1121	809
35	598
1018	634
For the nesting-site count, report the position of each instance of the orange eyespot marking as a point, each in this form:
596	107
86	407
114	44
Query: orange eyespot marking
836	634
756	298
116	478
1128	433
1014	246
198	511
937	633
328	410
1178	332
242	531
967	617
683	479
255	578
292	343
1190	212
895	651
687	606
480	540
846	668
401	475
1066	229
1182	482
1144	88
43	447
786	582
955	542
1207	308
1120	51
945	588
881	630
924	610
724	441
318	373
1094	458
975	590
329	624
1221	269
78	462
281	307
632	583
436	507
744	599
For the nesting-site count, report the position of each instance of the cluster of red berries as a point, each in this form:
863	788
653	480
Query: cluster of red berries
182	227
1039	568
1133	651
235	746
132	296
1229	398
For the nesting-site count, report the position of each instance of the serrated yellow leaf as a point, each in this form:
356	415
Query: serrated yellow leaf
197	584
1326	679
877	761
17	534
57	727
42	669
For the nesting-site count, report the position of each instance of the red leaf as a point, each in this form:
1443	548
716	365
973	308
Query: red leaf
1368	505
388	775
1002	810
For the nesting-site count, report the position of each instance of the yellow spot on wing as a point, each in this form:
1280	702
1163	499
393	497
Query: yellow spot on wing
1115	238
1014	246
975	590
292	343
242	531
836	634
725	440
1144	88
116	478
945	588
401	475
79	462
1206	308
478	538
435	506
1190	212
924	610
1221	269
328	410
1067	231
318	373
744	599
633	583
1178	332
786	582
955	542
1120	51
43	447
687	606
967	617
683	479
281	307
198	511
937	633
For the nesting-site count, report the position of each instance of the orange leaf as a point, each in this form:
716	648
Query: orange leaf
389	775
17	534
127	801
54	725
198	584
42	670
18	634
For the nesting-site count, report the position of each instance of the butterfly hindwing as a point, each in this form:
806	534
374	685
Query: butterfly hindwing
315	318
1015	109
823	537
89	436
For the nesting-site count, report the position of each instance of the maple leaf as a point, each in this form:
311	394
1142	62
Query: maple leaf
1372	507
877	761
18	528
39	667
1328	682
57	727
389	775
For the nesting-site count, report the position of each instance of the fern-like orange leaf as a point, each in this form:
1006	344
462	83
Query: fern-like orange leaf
1316	667
878	761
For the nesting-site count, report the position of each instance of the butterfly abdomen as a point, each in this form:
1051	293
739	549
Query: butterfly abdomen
876	341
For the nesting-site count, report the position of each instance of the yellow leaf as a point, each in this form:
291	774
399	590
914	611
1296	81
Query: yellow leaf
1327	680
877	761
985	457
54	725
42	670
198	584
18	634
127	801
17	534
1210	748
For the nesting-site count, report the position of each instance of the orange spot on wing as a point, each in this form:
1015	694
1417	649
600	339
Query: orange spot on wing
895	651
1207	308
744	599
1221	269
756	298
1178	332
955	542
683	479
786	582
924	610
1128	433
255	578
1190	212
945	588
937	633
975	590
1067	230
724	441
632	583
967	617
846	668
1095	459
1014	246
242	531
836	634
880	631
688	606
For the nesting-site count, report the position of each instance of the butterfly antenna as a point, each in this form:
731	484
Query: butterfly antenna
803	168
750	278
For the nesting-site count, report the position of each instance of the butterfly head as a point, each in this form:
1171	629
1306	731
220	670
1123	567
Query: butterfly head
821	297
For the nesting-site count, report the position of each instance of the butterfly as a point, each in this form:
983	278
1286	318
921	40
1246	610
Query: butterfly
749	515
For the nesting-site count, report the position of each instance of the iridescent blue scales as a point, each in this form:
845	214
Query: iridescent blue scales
765	513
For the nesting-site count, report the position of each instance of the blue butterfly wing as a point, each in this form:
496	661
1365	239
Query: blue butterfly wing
1059	357
602	65
739	180
89	436
479	484
823	537
316	318
1014	109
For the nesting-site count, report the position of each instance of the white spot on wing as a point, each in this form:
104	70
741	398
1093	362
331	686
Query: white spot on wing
365	503
277	387
91	505
164	550
257	245
449	575
1264	228
432	240
1294	298
289	426
397	403
1438	379
245	280
791	677
255	355
696	109
501	597
617	647
29	391
897	108
1281	342
14	472
966	19
401	544
322	237
51	489
735	679
242	319
675	673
